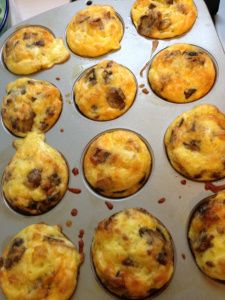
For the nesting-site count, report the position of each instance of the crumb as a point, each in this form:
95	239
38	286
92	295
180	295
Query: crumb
74	212
81	233
75	171
183	256
57	78
61	129
141	85
69	223
145	91
109	205
161	200
183	181
74	190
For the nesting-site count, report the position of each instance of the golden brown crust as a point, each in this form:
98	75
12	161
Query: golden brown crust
30	105
206	236
132	253
36	178
105	91
195	143
182	73
40	263
33	48
117	163
94	31
163	19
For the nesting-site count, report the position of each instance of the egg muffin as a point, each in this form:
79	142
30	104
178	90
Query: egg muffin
162	19
33	48
206	235
105	91
195	143
117	163
36	178
94	31
132	253
182	73
39	263
30	105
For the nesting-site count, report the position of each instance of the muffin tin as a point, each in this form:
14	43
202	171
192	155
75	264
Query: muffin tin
149	116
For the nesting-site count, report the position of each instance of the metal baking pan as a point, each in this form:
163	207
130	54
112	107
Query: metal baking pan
148	116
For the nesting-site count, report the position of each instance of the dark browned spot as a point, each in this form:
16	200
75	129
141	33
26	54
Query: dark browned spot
1	262
43	125
172	54
189	92
91	76
34	177
54	179
193	145
97	22
181	122
99	156
29	35
169	1
109	64
216	175
9	101
194	57
162	258
15	253
209	264
50	111
24	124
31	82
147	234
106	75
204	242
115	98
152	6
193	127
33	99
128	262
40	43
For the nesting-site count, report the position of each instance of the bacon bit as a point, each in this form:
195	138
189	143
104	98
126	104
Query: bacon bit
69	223
74	212
155	44
81	233
214	188
145	91
57	78
183	181
81	246
74	190
75	171
1	262
61	129
141	85
183	256
109	205
161	200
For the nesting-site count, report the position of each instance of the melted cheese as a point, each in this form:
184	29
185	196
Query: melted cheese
94	31
31	49
195	143
46	266
36	178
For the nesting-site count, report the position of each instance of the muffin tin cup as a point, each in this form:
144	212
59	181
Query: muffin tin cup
149	116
